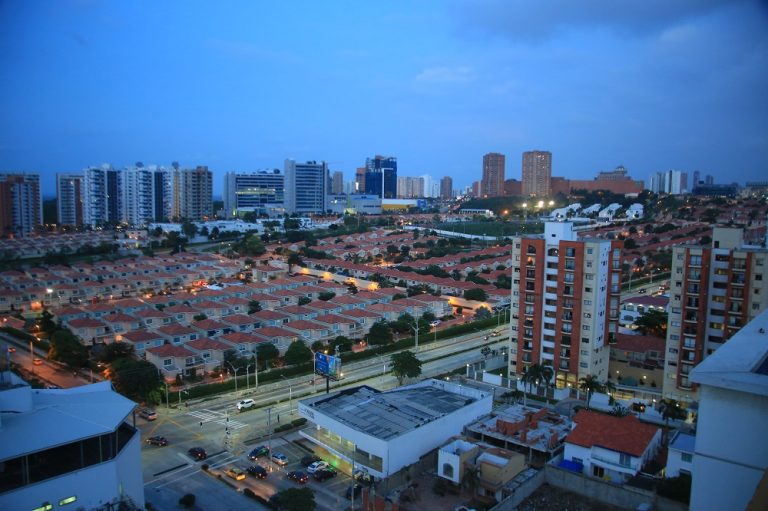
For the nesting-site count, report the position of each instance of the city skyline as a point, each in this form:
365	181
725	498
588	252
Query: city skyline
246	86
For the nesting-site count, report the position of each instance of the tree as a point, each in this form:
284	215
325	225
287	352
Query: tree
200	317
379	333
293	260
67	348
590	385
537	374
471	478
135	379
476	294
254	306
267	352
297	499
341	343
116	350
670	409
619	410
297	353
303	300
653	322
326	295
188	229
405	365
46	322
482	313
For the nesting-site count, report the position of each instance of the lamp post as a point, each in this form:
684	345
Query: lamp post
290	394
256	370
235	371
416	329
247	383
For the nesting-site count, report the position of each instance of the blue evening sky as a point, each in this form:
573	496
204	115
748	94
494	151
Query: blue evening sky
650	84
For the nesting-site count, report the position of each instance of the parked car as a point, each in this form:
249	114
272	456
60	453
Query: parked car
323	474
434	323
362	476
159	441
245	404
258	471
309	459
318	465
148	414
235	473
198	453
37	361
261	451
11	349
299	476
280	458
356	488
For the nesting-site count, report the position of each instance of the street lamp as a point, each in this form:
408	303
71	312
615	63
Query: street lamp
235	371
290	394
416	329
247	383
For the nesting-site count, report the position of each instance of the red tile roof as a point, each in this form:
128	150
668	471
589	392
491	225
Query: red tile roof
170	350
208	344
622	434
639	343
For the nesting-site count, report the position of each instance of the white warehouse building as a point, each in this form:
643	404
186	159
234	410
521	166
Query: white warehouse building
67	448
388	431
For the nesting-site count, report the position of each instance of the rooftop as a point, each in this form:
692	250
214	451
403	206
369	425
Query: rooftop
621	434
741	364
387	415
683	442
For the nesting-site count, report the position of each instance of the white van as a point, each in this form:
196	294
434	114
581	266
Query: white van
245	404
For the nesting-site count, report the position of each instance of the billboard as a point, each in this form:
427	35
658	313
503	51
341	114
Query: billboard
327	365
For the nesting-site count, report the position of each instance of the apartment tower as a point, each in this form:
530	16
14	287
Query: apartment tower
714	291
103	199
193	193
381	176
565	303
537	173
69	199
492	184
446	188
21	207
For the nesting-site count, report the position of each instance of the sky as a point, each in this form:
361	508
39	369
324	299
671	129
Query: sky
240	86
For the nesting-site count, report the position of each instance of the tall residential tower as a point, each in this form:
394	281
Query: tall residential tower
537	173
21	207
492	184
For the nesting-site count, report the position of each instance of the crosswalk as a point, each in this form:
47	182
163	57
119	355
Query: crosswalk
215	417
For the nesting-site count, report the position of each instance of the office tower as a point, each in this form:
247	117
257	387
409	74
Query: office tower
565	303
475	189
673	182
337	183
360	180
21	207
492	184
696	177
446	188
193	193
537	173
381	176
714	291
261	192
70	191
430	186
102	200
146	194
305	187
709	180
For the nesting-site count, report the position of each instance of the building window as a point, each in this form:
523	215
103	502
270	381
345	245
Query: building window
687	458
624	459
448	470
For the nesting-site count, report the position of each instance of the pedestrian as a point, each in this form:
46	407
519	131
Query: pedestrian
278	418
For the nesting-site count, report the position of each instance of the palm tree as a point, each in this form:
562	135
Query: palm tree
471	478
536	375
589	384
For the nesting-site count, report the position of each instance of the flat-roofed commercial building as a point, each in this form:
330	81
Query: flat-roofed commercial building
68	447
385	432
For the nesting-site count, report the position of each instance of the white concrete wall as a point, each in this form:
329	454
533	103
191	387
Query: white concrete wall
731	450
675	464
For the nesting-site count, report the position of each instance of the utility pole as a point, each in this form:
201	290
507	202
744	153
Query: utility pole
416	329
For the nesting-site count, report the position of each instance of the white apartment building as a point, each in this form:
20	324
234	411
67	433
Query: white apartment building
305	187
147	194
70	195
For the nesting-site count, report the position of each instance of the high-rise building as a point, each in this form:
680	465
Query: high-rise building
492	184
193	193
305	187
147	194
261	192
565	303
446	188
337	183
410	187
70	191
430	186
714	291
537	173
673	182
360	180
696	178
381	176
21	207
102	200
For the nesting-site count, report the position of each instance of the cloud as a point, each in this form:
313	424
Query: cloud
539	20
460	74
